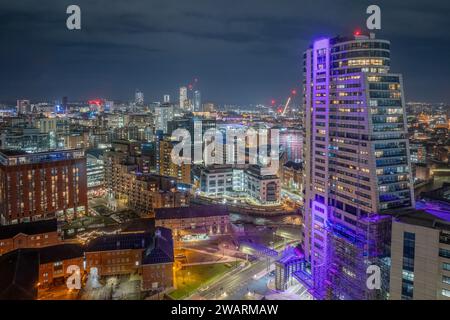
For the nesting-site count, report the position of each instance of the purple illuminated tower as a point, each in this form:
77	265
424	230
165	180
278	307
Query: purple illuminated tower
356	164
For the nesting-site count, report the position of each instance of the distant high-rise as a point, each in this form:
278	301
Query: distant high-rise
165	166
163	114
23	106
357	164
65	104
197	101
139	98
166	98
184	102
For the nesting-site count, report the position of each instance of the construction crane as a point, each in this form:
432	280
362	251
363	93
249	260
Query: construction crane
286	106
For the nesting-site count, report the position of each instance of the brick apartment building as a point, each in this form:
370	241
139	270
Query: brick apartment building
43	185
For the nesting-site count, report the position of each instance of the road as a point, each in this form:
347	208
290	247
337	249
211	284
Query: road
232	283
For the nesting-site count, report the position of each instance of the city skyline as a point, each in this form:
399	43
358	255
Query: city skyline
246	57
204	152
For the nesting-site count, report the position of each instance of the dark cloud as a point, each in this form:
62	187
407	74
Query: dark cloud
243	51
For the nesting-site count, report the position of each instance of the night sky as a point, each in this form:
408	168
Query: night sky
242	52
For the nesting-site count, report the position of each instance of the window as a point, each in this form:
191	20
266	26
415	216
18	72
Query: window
409	243
407	291
446	293
446	266
446	279
444	253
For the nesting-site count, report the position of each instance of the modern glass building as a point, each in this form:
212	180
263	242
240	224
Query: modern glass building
357	164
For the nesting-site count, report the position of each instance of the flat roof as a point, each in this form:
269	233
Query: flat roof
423	218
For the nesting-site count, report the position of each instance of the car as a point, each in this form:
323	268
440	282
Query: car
204	289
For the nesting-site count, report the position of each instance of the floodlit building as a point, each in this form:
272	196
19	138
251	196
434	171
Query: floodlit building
197	221
357	163
263	188
36	186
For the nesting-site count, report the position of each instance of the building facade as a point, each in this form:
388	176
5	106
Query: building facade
28	235
36	186
357	163
200	220
420	256
263	188
164	164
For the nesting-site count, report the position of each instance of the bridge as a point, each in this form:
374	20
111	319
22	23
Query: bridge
258	250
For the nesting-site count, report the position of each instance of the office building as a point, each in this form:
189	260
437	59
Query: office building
262	187
217	180
420	255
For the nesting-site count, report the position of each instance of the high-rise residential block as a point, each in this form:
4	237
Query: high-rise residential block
357	164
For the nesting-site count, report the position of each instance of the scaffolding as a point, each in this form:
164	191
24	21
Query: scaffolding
350	254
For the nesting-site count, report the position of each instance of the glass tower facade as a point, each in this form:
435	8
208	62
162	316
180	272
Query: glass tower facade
357	164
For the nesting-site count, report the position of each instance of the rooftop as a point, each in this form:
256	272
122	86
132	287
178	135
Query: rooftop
30	228
60	252
160	249
424	218
120	242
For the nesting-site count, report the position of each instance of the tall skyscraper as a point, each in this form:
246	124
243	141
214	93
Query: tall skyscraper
357	164
184	102
197	101
166	98
139	98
